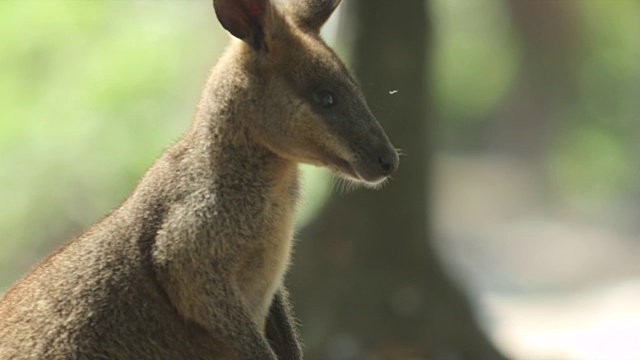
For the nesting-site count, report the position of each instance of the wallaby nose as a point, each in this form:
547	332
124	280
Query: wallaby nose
388	161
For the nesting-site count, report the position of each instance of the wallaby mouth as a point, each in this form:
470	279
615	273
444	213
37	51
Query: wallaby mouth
366	154
375	164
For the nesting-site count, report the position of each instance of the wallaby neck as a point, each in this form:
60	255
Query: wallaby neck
221	134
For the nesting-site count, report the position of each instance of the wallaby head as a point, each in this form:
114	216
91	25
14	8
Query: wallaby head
306	106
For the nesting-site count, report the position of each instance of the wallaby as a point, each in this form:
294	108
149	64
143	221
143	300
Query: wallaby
191	265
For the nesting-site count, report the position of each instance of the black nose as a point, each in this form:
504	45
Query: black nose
388	162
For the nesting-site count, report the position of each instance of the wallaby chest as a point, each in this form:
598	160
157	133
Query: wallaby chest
264	238
238	227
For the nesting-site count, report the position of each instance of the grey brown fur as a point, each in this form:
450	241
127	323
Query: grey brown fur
191	265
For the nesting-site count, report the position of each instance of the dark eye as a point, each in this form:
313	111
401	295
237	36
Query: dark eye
325	98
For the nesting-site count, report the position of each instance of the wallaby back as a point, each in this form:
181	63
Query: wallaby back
191	265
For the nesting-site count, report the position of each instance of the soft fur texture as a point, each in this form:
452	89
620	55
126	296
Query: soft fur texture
191	265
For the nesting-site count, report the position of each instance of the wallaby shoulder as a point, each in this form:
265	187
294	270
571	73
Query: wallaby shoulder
102	287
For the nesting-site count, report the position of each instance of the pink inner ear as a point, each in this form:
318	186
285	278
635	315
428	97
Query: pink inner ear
242	18
255	11
251	16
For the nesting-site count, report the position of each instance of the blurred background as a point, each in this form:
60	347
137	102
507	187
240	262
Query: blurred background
509	231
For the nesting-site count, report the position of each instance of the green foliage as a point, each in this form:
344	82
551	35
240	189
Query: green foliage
590	164
95	90
316	189
477	64
596	157
475	58
610	73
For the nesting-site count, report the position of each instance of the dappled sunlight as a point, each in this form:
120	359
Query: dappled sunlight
552	283
595	324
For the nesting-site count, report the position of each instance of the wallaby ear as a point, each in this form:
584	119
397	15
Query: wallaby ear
244	19
310	15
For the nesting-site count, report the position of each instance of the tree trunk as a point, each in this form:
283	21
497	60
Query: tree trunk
366	282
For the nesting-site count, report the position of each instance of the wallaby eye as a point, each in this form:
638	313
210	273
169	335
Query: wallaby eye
325	98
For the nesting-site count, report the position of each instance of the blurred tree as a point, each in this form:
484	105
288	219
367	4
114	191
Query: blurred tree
549	34
367	283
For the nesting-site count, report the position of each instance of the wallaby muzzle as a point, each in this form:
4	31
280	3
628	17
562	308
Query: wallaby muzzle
376	162
374	157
